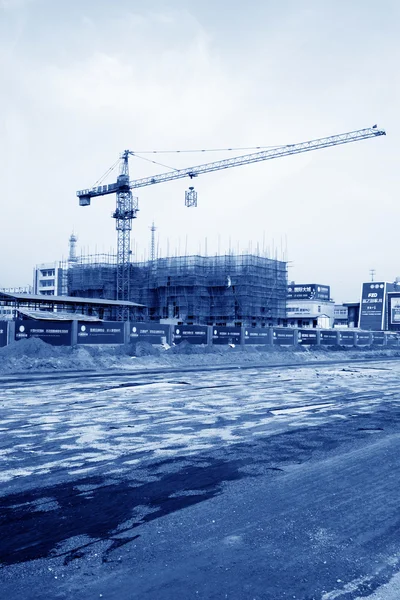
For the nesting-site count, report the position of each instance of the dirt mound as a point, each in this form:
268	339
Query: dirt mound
186	347
142	349
33	348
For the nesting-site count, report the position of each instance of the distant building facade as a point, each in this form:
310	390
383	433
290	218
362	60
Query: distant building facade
49	279
340	315
309	305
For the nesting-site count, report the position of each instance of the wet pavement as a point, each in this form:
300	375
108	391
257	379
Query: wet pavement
260	484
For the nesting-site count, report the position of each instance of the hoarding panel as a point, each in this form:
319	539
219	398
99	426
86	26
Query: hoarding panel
392	340
363	338
257	335
194	334
57	333
347	338
226	335
105	332
284	336
3	333
378	338
308	336
329	337
372	306
153	333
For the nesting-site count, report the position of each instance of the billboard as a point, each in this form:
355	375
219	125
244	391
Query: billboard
194	334
257	335
3	333
57	333
308	291
372	306
284	337
394	311
106	332
308	336
226	335
153	333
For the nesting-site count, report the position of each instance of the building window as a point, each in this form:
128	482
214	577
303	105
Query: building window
48	273
46	283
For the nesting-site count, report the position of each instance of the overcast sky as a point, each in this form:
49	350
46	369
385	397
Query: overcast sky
82	80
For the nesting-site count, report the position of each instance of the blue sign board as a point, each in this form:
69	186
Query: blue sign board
329	337
57	333
3	333
372	307
153	333
363	338
257	335
346	338
378	338
104	332
308	337
392	340
284	337
194	334
226	335
308	291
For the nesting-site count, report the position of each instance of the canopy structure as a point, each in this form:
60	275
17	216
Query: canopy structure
57	307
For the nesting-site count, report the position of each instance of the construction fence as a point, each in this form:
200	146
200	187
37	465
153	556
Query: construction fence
117	333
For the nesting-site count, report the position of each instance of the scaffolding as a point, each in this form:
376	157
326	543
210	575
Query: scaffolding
233	289
92	276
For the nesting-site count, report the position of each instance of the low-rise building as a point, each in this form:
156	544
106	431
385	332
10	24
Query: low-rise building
309	305
340	315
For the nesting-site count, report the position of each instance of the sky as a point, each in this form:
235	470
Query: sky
83	80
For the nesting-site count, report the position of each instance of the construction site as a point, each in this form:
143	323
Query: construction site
241	289
231	289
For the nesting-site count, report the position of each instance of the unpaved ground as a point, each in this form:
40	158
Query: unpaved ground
34	355
246	484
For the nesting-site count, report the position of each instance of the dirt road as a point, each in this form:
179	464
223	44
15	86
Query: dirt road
259	484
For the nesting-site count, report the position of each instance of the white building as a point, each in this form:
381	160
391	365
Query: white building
309	305
48	279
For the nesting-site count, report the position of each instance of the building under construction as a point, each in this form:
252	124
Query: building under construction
232	289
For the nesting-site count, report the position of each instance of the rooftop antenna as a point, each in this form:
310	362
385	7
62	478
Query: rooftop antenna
372	273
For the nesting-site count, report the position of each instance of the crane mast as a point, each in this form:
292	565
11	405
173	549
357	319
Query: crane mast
127	205
125	211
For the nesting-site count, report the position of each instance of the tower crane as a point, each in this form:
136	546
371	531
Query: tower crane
127	204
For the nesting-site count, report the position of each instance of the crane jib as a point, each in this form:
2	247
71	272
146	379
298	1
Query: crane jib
191	172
